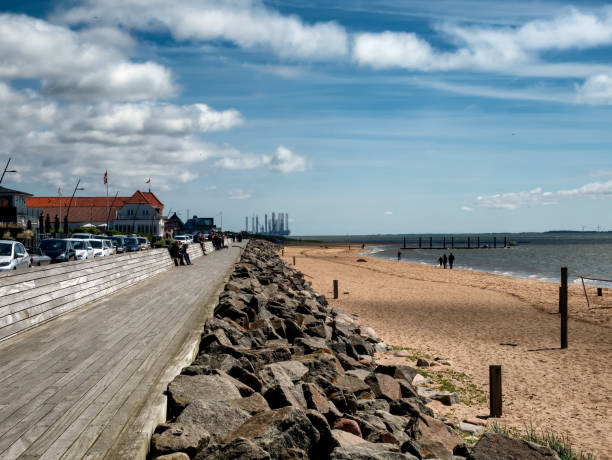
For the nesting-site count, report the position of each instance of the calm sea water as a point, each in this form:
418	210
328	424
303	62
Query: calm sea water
534	256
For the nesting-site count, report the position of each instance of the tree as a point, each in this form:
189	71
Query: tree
48	224
41	223
56	224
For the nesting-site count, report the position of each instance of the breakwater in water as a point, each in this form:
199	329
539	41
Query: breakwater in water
279	375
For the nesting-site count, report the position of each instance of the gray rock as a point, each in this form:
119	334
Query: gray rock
422	362
180	437
252	404
446	398
320	365
427	429
373	405
218	418
384	386
359	373
220	361
380	347
311	344
367	451
237	449
412	407
351	384
174	456
498	446
294	369
278	430
469	428
185	389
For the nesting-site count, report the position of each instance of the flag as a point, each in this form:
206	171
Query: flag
106	177
59	191
148	181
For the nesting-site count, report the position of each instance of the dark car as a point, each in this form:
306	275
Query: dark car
58	250
39	258
119	243
131	244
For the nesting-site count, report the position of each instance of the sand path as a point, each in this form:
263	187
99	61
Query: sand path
466	316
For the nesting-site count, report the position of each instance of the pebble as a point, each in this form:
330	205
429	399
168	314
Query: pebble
469	428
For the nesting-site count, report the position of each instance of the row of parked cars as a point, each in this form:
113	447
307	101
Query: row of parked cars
81	246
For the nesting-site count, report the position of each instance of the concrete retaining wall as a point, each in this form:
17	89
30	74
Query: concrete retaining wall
43	293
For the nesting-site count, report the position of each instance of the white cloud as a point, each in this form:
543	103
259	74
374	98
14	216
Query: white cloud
596	90
285	161
466	209
388	213
509	50
130	140
538	197
90	63
282	161
238	194
210	188
247	23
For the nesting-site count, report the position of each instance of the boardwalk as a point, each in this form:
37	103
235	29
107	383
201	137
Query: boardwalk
90	383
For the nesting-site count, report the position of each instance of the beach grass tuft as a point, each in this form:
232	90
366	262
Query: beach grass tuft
560	443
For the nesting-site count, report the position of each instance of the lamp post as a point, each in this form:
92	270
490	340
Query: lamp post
221	220
7	170
76	187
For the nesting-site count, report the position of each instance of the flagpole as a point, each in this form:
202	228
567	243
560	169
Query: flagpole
106	180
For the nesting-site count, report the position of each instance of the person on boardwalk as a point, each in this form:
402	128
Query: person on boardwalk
174	253
444	260
440	261
451	259
184	249
399	255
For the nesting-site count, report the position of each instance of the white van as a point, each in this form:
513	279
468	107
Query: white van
13	256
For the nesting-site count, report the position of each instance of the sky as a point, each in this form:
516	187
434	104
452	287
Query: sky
355	117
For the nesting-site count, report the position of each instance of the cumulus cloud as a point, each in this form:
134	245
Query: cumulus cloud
388	213
596	90
238	194
538	197
246	23
467	208
210	188
131	140
77	64
510	50
282	161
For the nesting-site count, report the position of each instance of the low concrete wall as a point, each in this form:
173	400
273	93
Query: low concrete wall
43	293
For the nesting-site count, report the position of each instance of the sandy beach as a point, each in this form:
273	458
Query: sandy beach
477	319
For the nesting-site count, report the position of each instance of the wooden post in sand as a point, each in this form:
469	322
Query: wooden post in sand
293	260
494	242
453	242
599	292
495	390
430	242
444	243
505	240
404	247
478	242
283	252
563	307
419	242
468	242
335	289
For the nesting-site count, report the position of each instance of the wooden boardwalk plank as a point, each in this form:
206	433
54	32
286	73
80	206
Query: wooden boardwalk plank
72	386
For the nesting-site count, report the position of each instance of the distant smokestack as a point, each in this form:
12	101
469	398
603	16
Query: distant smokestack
256	224
287	221
266	222
273	222
246	224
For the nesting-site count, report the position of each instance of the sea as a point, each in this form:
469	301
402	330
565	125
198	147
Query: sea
538	256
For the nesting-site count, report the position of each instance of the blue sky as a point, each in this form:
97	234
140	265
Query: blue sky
353	117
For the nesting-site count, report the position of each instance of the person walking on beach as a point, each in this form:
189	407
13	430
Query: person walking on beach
444	260
399	255
440	261
451	259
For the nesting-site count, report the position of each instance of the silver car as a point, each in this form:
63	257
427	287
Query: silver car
13	256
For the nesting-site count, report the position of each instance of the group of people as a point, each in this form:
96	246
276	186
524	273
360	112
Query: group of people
179	253
444	261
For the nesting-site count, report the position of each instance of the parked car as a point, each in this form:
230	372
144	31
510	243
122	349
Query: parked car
107	247
13	256
184	238
38	258
59	250
111	244
98	248
119	242
132	244
83	249
83	236
144	243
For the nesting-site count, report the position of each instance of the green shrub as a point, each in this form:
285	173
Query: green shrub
92	230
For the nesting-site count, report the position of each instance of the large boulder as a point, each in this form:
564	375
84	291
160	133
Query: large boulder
498	446
253	404
185	389
237	449
427	429
218	418
351	384
179	437
367	451
384	386
320	365
278	430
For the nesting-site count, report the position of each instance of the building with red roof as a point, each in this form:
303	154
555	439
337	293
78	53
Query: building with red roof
140	213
